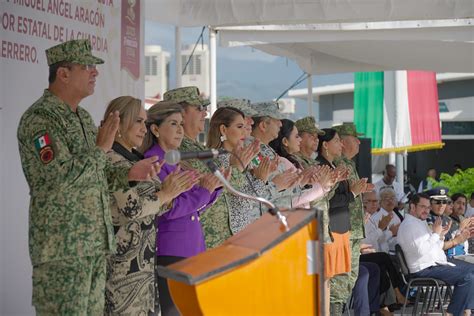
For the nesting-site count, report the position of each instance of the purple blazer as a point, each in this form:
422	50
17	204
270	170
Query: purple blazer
179	230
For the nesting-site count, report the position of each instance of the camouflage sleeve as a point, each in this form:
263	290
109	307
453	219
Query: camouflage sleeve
64	165
138	201
117	177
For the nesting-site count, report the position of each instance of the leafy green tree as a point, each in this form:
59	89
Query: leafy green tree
460	182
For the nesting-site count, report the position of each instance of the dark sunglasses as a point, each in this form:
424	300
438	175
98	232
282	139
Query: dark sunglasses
439	202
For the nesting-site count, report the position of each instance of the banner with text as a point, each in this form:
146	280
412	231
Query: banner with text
27	29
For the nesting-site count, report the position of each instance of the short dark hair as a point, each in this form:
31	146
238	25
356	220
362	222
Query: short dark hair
456	196
53	69
415	199
257	120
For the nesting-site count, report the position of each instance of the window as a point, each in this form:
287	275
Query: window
151	66
194	65
458	128
443	107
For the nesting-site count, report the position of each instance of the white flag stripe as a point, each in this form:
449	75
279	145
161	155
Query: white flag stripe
403	130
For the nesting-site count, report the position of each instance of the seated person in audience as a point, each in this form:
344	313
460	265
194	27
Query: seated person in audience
456	242
423	250
390	275
387	221
470	207
439	202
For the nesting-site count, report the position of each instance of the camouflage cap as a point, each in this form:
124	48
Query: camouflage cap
347	129
439	193
241	104
75	51
308	124
189	95
268	108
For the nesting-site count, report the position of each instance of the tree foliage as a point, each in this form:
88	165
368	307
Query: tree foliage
460	182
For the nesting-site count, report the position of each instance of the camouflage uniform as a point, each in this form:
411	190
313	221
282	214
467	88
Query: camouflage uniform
282	199
341	286
70	229
215	220
239	104
307	124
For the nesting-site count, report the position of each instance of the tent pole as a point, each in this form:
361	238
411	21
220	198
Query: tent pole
177	53
213	70
310	95
400	168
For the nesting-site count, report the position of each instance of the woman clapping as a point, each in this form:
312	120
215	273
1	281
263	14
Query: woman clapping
130	287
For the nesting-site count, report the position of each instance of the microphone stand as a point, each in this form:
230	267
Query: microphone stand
272	208
284	225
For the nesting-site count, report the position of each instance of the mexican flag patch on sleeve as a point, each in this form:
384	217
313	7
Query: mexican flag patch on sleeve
43	146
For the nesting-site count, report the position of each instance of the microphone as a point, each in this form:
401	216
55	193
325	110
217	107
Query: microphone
172	157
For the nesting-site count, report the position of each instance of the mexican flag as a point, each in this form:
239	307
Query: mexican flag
398	110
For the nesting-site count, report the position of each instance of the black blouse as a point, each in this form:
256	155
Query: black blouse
339	216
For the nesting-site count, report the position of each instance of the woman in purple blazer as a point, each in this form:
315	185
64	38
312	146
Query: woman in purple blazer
179	233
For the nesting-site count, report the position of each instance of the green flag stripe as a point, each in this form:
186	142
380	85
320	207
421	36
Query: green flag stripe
368	105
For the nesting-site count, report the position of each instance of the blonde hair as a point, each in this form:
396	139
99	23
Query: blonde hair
222	116
129	109
155	116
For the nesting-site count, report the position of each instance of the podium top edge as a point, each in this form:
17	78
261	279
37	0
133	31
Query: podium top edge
249	244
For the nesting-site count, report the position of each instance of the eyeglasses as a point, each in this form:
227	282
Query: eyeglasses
439	202
371	201
423	207
89	67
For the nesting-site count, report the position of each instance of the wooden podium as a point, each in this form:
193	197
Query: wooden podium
262	270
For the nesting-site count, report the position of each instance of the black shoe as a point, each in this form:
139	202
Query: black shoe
394	307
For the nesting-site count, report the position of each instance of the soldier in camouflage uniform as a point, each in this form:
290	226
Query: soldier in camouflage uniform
64	161
308	131
266	128
215	220
341	285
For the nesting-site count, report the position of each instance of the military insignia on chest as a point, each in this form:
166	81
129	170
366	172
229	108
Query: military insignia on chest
44	148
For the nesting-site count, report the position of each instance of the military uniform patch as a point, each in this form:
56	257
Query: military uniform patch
43	146
46	154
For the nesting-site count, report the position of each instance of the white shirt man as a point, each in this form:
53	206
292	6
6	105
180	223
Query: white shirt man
422	247
386	240
397	187
388	182
385	223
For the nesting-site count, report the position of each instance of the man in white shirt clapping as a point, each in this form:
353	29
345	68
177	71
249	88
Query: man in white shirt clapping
386	222
423	249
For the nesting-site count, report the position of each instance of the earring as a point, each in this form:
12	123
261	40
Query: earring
327	152
223	138
119	134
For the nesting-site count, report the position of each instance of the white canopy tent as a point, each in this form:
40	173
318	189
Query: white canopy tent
443	46
325	36
219	13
